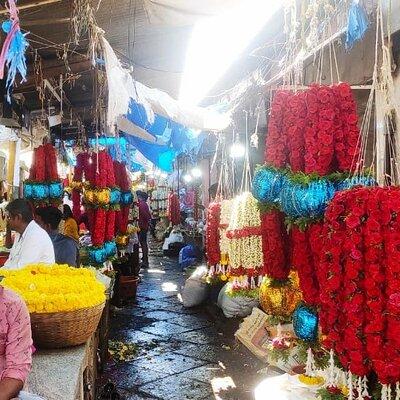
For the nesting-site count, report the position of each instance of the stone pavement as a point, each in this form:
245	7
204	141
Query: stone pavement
182	353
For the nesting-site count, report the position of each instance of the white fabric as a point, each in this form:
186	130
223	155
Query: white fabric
185	12
174	237
238	306
7	134
196	289
33	246
122	88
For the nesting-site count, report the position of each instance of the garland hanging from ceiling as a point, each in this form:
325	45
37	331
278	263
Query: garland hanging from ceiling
44	186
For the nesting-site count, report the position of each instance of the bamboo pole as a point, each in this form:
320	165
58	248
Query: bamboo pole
12	148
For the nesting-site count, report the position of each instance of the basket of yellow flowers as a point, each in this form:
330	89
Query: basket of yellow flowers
65	303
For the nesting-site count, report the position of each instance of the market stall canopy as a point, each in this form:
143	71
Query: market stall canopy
123	89
184	12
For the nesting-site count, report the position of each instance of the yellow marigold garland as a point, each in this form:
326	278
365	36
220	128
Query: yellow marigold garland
55	288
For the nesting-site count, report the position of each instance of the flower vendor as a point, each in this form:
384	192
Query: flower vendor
15	344
31	244
144	222
70	225
65	248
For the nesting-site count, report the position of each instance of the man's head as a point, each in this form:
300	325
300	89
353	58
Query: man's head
48	218
142	195
19	215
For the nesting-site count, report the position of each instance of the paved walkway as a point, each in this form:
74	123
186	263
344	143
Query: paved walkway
183	353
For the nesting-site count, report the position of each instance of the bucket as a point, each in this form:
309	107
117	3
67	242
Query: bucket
127	287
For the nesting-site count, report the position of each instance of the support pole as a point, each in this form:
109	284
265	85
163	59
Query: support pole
12	147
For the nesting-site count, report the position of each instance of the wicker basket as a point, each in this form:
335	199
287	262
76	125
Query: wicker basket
65	329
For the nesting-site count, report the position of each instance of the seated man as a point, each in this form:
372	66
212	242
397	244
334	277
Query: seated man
31	244
15	344
65	248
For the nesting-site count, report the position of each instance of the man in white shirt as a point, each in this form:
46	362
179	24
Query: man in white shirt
32	244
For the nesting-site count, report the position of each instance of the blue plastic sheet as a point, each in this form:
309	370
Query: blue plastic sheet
160	155
357	24
188	256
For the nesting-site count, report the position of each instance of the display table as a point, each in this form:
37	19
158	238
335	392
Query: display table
67	374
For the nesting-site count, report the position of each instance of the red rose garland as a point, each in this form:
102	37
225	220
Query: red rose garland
99	227
212	234
360	272
347	134
275	148
294	125
321	113
274	238
110	227
303	263
50	162
38	168
174	209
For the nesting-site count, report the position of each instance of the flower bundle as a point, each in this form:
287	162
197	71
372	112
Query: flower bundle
225	217
125	201
94	175
212	234
44	185
312	134
274	245
313	131
245	244
55	288
174	209
360	280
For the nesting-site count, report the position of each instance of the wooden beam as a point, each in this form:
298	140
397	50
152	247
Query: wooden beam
55	71
44	21
33	5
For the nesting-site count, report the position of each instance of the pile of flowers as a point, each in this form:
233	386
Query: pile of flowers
360	281
55	288
44	186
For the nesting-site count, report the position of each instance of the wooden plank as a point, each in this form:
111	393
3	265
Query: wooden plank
32	5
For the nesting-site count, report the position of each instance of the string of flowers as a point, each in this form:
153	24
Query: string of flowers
174	209
44	186
360	279
245	244
212	234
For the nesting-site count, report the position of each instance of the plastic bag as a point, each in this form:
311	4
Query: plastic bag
196	289
237	306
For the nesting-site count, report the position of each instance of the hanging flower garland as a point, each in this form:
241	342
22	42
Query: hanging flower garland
174	209
212	234
80	167
245	243
98	185
360	280
44	186
123	201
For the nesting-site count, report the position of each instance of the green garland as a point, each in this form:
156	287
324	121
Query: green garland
253	293
321	356
324	394
277	354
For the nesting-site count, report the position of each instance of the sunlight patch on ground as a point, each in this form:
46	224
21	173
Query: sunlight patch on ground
169	287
